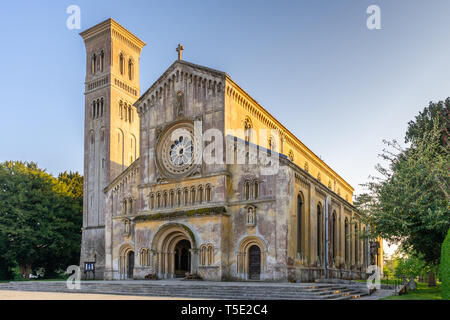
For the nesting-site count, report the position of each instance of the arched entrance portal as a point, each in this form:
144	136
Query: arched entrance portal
251	258
254	262
126	262
130	265
175	249
182	258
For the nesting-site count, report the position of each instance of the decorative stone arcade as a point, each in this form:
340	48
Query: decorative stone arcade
170	245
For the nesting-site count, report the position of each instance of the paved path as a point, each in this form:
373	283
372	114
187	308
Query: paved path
32	295
377	295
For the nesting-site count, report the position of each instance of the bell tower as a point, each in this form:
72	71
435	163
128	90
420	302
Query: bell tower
111	126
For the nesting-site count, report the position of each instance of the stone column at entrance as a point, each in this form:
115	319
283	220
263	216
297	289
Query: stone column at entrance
194	260
171	269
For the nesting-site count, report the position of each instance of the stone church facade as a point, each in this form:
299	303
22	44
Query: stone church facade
153	207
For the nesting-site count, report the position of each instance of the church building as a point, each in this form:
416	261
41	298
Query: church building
160	202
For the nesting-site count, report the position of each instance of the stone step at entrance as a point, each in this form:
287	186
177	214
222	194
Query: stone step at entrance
201	289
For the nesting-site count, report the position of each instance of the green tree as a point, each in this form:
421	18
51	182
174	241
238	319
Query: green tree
409	203
411	267
445	268
40	217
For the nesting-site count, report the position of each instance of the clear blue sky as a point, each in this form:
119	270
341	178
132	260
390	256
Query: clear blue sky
314	65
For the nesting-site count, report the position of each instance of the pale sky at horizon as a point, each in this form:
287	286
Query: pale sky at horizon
339	87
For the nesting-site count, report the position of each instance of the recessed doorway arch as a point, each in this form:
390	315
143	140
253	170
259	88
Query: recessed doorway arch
251	258
175	248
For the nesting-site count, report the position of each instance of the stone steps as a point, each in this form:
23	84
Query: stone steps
242	291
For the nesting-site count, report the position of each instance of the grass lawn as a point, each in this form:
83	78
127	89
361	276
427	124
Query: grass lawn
423	292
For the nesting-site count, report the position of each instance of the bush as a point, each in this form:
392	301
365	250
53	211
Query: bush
445	267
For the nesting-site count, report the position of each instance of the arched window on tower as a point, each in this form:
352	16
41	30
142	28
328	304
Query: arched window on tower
102	60
93	109
130	69
121	64
93	63
101	107
255	189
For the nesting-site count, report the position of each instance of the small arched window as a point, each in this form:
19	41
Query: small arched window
121	64
172	198
165	199
186	196
97	112
93	109
208	193
210	255
193	199
124	203
152	201
200	194
93	63
178	197
255	189
101	107
102	60
130	207
130	69
247	190
203	255
158	200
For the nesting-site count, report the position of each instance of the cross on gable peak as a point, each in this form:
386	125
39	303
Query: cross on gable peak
180	49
